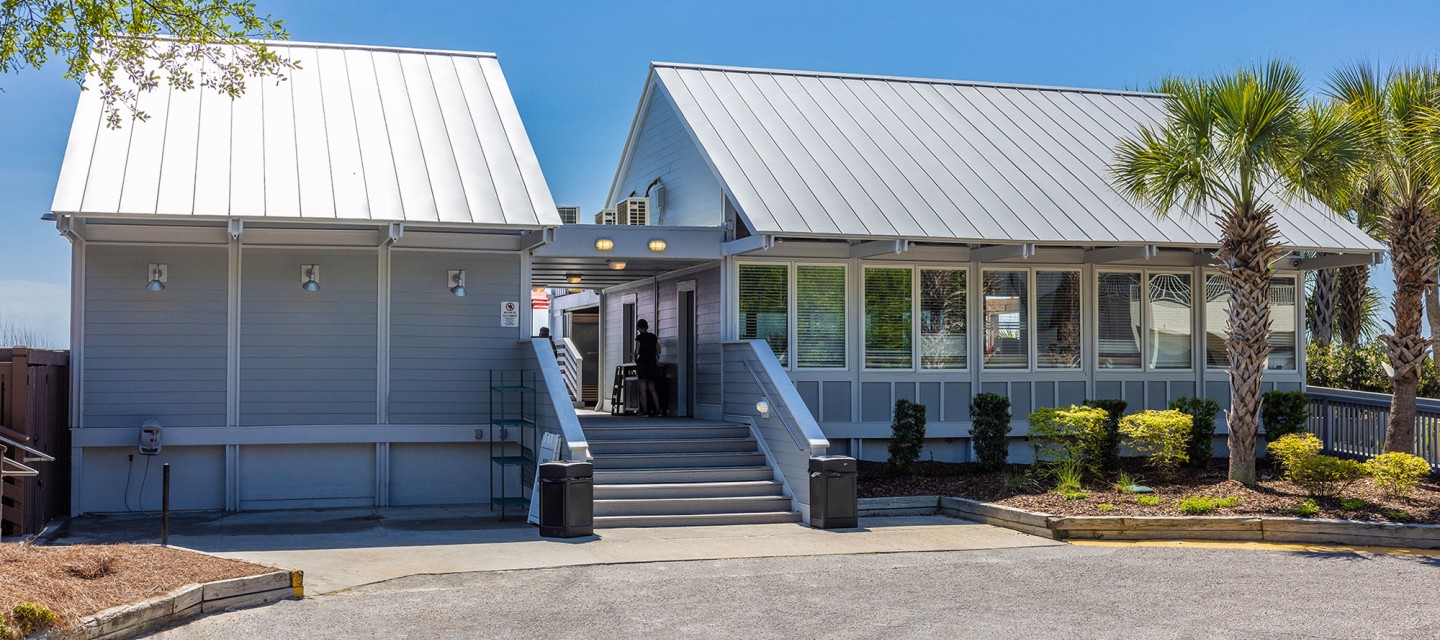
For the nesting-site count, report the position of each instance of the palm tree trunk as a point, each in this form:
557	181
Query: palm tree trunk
1411	230
1350	303
1246	253
1322	308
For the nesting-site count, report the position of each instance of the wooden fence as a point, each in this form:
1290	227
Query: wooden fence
1353	423
35	411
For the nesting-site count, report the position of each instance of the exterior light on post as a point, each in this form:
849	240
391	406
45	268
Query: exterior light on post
310	277
763	406
457	282
604	244
616	264
159	275
657	245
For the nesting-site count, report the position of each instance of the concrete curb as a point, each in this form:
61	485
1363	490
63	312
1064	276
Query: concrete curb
1239	528
189	601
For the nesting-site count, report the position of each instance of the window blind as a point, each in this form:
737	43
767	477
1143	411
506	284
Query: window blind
820	316
764	302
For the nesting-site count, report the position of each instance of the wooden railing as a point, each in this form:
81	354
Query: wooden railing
34	417
1353	423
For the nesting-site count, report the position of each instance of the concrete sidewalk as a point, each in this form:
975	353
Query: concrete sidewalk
340	549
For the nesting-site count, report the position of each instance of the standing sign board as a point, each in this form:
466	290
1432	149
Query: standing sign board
509	314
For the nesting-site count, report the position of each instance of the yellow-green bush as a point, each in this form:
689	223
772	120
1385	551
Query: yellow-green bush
1065	434
1162	435
1291	448
32	618
1326	476
1397	473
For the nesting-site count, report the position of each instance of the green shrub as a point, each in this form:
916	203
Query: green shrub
1306	509
989	424
1198	505
1075	495
1200	444
1068	475
1399	516
32	618
1148	501
1065	434
1019	481
1396	473
1284	413
1123	482
1103	452
1326	476
1361	369
1352	504
1162	435
907	434
1105	506
1288	450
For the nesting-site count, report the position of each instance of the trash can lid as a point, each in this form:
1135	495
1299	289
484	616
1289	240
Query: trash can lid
567	469
832	463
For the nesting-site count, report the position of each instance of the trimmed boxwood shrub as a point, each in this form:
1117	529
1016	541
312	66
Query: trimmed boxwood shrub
1065	434
1283	413
1200	446
1397	473
1104	453
1162	435
989	427
907	434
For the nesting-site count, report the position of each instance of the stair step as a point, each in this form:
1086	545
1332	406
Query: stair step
688	490
673	460
701	519
677	475
667	445
690	506
603	434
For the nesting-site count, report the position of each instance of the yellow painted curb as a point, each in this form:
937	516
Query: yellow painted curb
297	582
1260	546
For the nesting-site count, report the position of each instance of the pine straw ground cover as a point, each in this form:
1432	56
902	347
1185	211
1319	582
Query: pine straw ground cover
81	580
1270	497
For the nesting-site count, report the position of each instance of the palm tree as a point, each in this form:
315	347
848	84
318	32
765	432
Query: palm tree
1396	116
1235	145
1320	313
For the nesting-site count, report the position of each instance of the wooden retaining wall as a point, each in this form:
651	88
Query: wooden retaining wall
189	601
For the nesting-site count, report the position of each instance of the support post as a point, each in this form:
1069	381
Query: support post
165	505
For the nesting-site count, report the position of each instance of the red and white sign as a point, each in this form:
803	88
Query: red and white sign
509	313
539	299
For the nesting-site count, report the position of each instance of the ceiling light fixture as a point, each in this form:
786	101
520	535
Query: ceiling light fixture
604	244
657	245
572	278
616	264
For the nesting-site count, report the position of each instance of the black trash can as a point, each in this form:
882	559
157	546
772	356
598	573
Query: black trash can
567	499
833	503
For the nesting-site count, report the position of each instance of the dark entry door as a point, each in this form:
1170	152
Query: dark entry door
685	359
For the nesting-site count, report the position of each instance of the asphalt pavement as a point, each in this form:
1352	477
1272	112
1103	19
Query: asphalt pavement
1033	593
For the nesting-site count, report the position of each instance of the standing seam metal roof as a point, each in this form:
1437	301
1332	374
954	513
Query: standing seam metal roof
827	154
356	133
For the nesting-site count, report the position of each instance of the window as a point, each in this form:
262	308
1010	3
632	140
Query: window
764	306
1283	318
1168	318
1118	301
1057	319
1007	338
943	324
820	316
888	309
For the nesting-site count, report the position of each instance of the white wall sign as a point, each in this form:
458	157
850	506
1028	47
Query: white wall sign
509	314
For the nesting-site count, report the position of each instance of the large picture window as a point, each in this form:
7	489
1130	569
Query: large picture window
764	306
1057	319
943	323
1284	316
1007	337
1118	318
820	317
888	309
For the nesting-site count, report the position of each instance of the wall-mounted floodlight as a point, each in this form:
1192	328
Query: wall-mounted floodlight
159	275
310	277
457	282
657	245
604	244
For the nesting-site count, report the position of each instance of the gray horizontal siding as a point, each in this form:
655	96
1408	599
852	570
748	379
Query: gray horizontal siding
154	355
442	348
664	150
308	358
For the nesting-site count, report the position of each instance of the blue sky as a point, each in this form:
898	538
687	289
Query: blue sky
576	70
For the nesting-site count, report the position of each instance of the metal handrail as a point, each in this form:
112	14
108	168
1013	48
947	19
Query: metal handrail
18	468
35	455
805	433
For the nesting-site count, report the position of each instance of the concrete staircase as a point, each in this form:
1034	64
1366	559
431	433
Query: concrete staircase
653	472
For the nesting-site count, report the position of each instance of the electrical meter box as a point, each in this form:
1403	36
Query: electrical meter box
149	438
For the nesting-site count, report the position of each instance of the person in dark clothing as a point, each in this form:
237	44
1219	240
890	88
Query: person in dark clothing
647	368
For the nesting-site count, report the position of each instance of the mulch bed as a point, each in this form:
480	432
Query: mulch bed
81	580
1270	497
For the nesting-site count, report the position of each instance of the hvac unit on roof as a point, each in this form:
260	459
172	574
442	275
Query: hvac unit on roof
633	211
606	216
569	215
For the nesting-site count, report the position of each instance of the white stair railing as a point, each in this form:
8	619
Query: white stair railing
571	365
556	414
